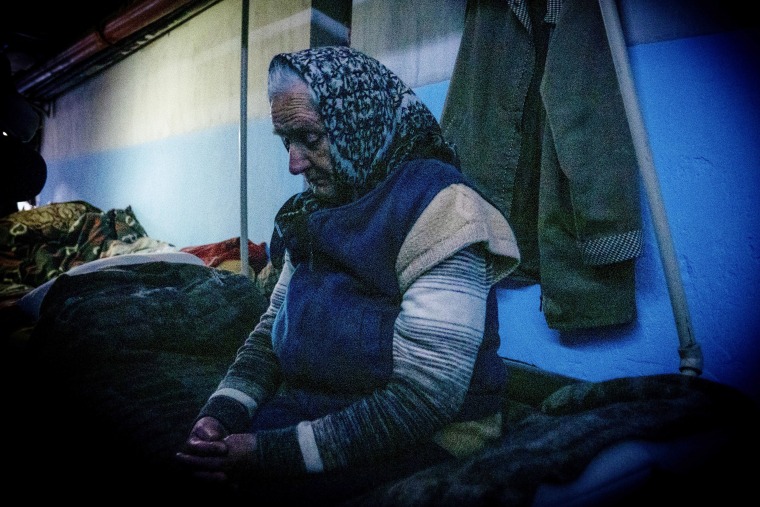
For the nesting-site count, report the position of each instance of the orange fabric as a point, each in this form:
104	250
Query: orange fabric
213	254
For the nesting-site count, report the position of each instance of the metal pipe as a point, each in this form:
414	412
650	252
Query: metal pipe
243	142
689	350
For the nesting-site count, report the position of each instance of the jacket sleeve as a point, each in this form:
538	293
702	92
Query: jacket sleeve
594	149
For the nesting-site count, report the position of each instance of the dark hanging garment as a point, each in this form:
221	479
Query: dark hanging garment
535	111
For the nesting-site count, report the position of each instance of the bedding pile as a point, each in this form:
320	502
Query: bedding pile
681	439
124	348
39	244
115	371
112	341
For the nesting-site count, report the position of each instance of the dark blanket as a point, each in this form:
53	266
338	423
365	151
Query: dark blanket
115	372
554	442
122	360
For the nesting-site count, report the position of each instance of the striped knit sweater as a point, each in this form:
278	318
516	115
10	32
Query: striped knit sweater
435	342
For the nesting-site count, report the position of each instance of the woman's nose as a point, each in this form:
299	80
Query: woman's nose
298	162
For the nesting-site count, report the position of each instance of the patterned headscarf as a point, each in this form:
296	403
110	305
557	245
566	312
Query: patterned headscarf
374	121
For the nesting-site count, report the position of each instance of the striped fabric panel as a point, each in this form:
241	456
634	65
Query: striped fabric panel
520	9
613	248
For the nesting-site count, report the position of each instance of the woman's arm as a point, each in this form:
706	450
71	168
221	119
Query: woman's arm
255	373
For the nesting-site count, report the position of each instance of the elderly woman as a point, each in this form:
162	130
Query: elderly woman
378	353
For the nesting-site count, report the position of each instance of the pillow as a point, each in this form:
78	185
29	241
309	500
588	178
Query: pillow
49	220
24	232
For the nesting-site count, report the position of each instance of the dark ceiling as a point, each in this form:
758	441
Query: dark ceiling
33	32
54	46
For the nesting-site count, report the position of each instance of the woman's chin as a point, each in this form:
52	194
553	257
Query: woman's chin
324	191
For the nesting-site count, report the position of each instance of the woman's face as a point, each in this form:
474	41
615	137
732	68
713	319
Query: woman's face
302	131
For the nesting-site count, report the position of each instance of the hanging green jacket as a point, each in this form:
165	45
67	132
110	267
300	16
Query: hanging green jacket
536	113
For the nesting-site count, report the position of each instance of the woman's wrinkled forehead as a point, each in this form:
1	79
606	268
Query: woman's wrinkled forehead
337	71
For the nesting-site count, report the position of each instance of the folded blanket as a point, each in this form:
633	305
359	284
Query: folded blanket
554	442
115	372
214	254
31	302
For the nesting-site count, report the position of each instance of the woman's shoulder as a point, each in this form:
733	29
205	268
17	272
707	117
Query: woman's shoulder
432	167
457	217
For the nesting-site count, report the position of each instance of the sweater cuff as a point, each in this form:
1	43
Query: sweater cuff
612	248
231	413
279	452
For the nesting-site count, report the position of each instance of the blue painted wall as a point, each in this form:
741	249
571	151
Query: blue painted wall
184	189
701	105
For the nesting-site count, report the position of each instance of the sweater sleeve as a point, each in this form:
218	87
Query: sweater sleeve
255	374
434	351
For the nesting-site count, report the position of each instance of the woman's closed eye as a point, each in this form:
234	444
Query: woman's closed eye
309	140
312	139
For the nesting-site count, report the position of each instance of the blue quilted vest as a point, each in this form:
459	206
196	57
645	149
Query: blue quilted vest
334	333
